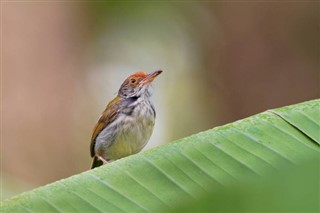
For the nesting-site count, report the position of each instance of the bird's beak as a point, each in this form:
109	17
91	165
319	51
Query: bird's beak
150	77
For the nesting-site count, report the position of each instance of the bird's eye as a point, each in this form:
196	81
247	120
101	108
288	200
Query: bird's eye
133	81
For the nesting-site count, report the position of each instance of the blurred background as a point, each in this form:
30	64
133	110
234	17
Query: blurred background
62	62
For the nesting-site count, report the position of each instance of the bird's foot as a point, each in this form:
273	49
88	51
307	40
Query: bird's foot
103	160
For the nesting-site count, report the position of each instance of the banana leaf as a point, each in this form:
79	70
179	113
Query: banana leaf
198	169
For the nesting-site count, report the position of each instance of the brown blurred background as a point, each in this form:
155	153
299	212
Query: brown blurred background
62	62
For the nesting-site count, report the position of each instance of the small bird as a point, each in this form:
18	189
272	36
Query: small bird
126	124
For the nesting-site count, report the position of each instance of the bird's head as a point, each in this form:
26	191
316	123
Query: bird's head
137	84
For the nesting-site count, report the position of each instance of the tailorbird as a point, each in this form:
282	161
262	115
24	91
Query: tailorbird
126	124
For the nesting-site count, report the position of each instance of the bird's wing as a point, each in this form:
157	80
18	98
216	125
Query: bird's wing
109	115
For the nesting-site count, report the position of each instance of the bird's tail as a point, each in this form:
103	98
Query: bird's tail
96	162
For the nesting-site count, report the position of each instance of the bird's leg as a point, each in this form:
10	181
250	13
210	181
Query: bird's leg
102	159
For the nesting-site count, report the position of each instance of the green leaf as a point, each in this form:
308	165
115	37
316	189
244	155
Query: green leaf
305	118
291	190
161	179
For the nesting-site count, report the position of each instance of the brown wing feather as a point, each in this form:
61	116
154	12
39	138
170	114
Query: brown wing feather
109	115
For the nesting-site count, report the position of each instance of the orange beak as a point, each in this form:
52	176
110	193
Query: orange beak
150	77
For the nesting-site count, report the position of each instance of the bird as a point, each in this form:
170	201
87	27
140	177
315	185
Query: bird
126	124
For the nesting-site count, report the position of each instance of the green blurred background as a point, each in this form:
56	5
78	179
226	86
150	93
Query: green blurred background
63	61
